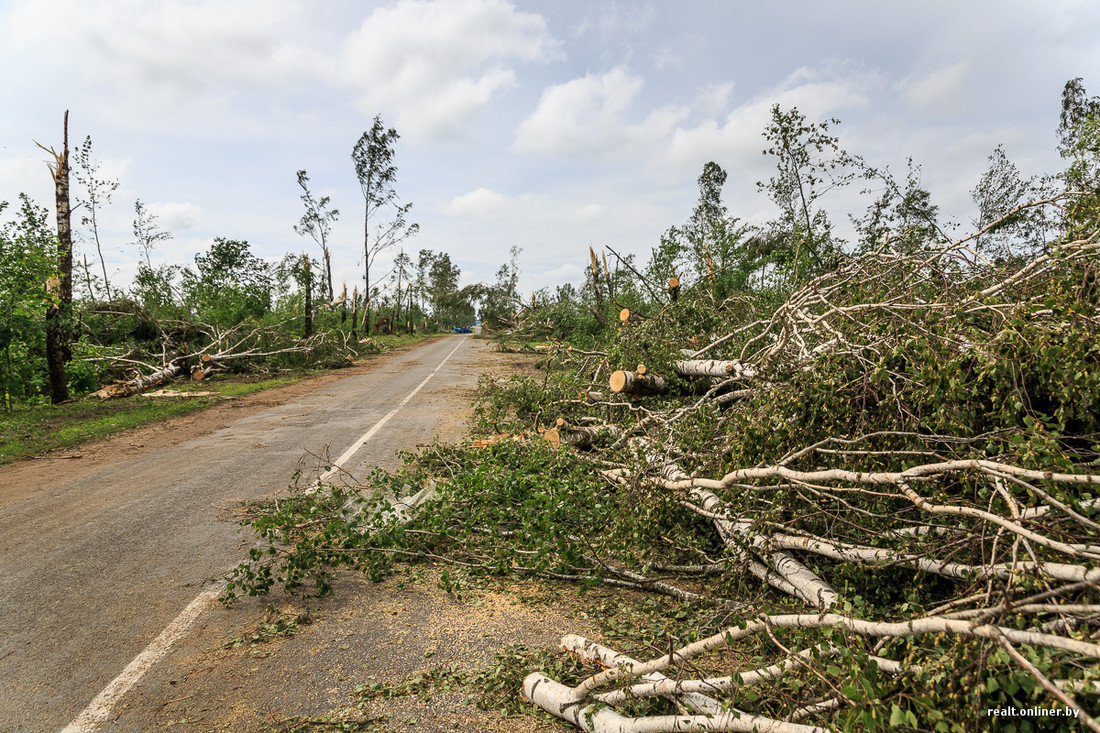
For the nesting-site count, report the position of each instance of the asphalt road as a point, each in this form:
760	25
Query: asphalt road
93	570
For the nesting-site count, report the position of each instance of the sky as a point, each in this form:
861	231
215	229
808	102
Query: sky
549	125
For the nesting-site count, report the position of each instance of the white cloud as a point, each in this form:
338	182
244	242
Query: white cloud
589	213
27	169
436	63
562	274
175	44
589	116
175	216
936	90
611	21
480	202
714	99
736	140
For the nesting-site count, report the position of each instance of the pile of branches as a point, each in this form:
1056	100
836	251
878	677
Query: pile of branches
921	419
197	350
882	483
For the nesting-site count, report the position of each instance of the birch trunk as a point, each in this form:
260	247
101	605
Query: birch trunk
126	389
714	368
623	382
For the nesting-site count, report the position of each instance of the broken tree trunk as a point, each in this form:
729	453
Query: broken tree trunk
624	382
307	327
58	349
354	310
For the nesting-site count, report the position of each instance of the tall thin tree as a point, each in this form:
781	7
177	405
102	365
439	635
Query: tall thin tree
99	192
316	223
373	158
146	231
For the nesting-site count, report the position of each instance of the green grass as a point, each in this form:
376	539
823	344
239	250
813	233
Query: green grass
34	430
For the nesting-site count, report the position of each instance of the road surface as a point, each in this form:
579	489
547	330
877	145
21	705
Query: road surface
94	569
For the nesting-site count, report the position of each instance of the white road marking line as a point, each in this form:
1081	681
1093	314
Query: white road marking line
378	425
99	710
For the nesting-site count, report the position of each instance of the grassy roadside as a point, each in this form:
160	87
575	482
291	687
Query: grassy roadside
34	430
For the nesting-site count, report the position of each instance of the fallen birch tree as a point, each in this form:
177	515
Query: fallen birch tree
242	342
884	488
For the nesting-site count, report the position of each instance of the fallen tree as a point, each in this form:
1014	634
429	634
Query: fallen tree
242	342
883	488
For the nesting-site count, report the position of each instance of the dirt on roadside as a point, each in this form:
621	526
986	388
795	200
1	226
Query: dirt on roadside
228	675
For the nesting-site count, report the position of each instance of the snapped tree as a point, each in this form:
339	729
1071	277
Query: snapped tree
59	290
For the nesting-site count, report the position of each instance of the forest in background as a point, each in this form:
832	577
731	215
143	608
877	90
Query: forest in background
230	310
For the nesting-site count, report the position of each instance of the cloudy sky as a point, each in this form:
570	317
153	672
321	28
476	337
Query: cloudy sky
551	125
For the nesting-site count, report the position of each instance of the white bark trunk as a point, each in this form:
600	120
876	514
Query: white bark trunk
624	382
780	569
126	389
714	368
559	700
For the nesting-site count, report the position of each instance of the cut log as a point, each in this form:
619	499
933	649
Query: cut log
624	315
197	374
581	436
553	437
674	288
562	701
714	368
623	382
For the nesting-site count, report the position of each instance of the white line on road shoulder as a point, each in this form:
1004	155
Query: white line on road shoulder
99	710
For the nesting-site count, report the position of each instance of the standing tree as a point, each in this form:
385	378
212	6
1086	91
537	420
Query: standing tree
317	224
1077	109
99	194
809	163
373	158
903	218
60	290
401	276
1079	144
230	285
1000	190
27	260
146	231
